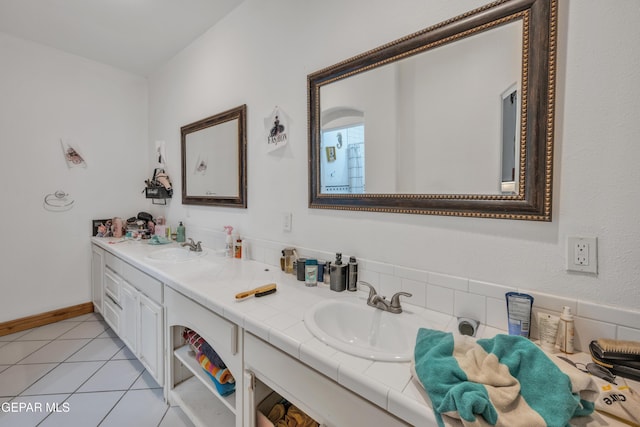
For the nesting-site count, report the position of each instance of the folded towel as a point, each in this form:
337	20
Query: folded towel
198	344
223	389
503	381
222	375
212	355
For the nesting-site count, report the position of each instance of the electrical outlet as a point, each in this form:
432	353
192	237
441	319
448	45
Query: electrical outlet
582	254
286	221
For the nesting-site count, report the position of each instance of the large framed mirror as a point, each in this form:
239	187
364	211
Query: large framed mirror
456	119
214	160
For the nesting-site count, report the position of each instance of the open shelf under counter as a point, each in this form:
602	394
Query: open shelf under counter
196	402
206	386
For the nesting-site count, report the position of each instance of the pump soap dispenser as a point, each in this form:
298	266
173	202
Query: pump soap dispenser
338	275
180	233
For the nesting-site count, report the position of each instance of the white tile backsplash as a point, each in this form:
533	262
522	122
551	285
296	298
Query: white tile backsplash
389	285
417	289
587	330
440	299
453	282
469	305
628	334
497	313
551	302
461	296
597	311
412	274
489	289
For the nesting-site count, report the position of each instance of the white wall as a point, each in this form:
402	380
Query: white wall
46	95
261	54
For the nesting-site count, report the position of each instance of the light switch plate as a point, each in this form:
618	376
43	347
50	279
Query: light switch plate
286	221
582	254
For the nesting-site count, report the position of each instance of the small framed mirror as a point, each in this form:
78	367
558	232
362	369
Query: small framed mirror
214	160
456	119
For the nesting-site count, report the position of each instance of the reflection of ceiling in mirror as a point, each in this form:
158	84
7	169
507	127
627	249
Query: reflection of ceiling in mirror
212	161
434	120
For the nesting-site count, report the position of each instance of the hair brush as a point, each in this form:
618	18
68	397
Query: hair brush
616	349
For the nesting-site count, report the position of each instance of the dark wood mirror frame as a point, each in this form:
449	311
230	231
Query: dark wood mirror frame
239	200
533	201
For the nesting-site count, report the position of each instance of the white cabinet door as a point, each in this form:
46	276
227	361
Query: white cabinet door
97	272
151	338
129	323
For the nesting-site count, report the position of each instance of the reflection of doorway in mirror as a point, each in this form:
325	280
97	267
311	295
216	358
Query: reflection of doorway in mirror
510	143
342	160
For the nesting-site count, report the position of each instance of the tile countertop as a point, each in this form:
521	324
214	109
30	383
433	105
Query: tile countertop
213	281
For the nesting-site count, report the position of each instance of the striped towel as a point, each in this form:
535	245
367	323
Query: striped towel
503	381
198	344
223	376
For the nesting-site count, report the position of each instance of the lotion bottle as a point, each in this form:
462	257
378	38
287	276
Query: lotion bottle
566	331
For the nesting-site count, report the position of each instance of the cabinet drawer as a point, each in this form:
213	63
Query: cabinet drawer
113	262
143	282
112	285
112	314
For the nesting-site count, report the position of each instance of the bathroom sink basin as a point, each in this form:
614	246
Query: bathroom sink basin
179	254
355	328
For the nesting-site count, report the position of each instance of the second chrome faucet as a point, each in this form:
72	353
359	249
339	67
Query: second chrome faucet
380	302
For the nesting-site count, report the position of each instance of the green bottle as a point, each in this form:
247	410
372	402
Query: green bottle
180	233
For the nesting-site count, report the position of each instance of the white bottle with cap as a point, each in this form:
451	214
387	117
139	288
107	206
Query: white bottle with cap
565	331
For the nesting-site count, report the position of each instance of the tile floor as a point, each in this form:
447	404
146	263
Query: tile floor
76	372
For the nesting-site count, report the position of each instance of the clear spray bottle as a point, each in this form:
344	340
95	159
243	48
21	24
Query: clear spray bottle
228	247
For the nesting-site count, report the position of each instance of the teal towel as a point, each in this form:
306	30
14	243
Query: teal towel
158	240
223	389
506	380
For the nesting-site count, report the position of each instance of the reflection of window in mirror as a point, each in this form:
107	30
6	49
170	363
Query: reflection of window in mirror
510	143
342	159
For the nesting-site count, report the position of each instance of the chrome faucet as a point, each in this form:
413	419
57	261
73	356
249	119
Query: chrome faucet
193	246
380	302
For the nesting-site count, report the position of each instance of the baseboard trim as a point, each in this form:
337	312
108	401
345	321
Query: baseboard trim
13	326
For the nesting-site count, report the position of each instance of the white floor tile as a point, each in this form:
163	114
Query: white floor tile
16	378
82	318
145	381
175	417
36	409
97	349
114	375
140	408
108	334
48	332
65	378
15	351
125	353
84	410
55	351
90	329
13	336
